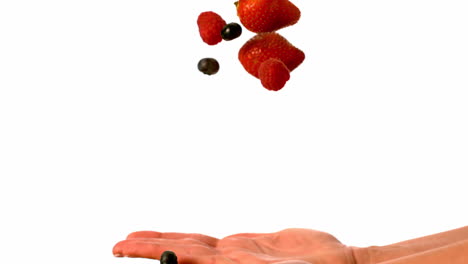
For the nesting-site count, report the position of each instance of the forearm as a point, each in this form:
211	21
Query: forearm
456	253
413	247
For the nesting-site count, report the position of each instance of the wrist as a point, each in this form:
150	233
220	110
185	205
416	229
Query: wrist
378	254
361	255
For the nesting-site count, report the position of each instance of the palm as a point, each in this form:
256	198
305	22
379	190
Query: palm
292	246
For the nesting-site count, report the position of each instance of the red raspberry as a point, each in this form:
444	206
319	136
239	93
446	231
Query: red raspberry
210	26
273	74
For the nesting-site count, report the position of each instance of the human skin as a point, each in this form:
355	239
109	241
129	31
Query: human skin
289	246
444	247
293	246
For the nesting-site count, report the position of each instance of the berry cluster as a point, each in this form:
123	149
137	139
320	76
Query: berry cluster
213	29
268	56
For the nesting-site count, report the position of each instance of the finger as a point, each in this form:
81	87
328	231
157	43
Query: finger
172	235
249	235
131	249
144	234
188	242
149	248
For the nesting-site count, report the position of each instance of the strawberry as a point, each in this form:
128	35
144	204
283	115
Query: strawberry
264	46
210	26
267	15
273	74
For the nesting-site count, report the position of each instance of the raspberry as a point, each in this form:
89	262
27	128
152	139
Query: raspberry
273	74
210	26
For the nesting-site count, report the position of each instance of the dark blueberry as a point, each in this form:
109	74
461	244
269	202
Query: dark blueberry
168	257
231	31
208	66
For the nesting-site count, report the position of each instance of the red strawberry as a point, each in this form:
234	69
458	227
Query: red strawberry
210	26
267	15
264	46
273	74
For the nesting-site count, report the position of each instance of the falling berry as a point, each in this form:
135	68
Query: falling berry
231	31
208	66
210	24
168	257
264	46
273	74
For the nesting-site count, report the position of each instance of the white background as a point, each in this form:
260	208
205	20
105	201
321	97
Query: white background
107	127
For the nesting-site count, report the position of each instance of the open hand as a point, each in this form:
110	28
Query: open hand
289	246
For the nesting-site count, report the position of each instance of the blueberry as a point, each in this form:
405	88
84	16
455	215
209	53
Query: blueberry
168	257
231	31
208	66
